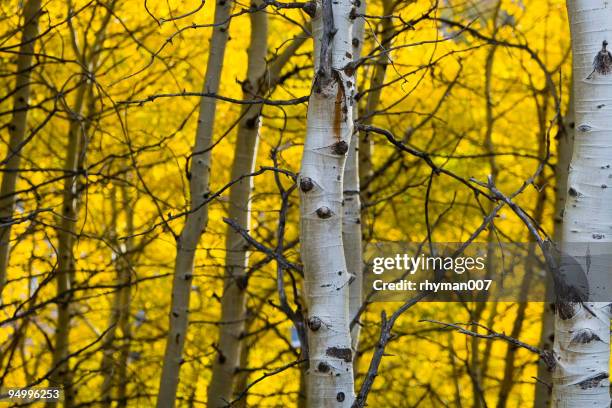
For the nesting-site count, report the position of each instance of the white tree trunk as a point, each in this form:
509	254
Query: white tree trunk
17	130
582	331
198	216
233	302
329	129
351	220
564	155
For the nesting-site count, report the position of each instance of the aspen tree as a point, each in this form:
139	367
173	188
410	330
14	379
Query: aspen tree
509	378
582	330
351	220
73	162
115	370
260	80
17	130
478	365
565	140
233	302
374	93
197	218
125	301
106	367
329	129
66	267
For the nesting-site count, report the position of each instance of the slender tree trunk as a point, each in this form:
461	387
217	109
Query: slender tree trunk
374	93
329	129
241	381
351	220
565	141
364	147
582	330
259	82
108	344
114	369
17	130
197	218
233	302
508	380
125	306
479	366
61	374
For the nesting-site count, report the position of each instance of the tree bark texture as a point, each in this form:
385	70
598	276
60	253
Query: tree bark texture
197	218
326	279
582	329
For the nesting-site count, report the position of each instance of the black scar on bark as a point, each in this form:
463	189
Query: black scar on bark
324	212
584	336
323	367
340	148
571	287
566	310
221	358
242	282
306	184
345	354
593	382
314	323
251	123
602	64
340	397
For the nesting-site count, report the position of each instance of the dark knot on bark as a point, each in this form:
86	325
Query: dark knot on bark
314	323
324	212
602	64
306	184
340	148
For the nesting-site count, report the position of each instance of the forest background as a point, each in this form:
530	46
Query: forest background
106	171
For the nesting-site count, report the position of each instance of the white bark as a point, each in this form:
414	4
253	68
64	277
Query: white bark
564	155
260	81
198	217
17	129
582	336
329	128
233	302
351	220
